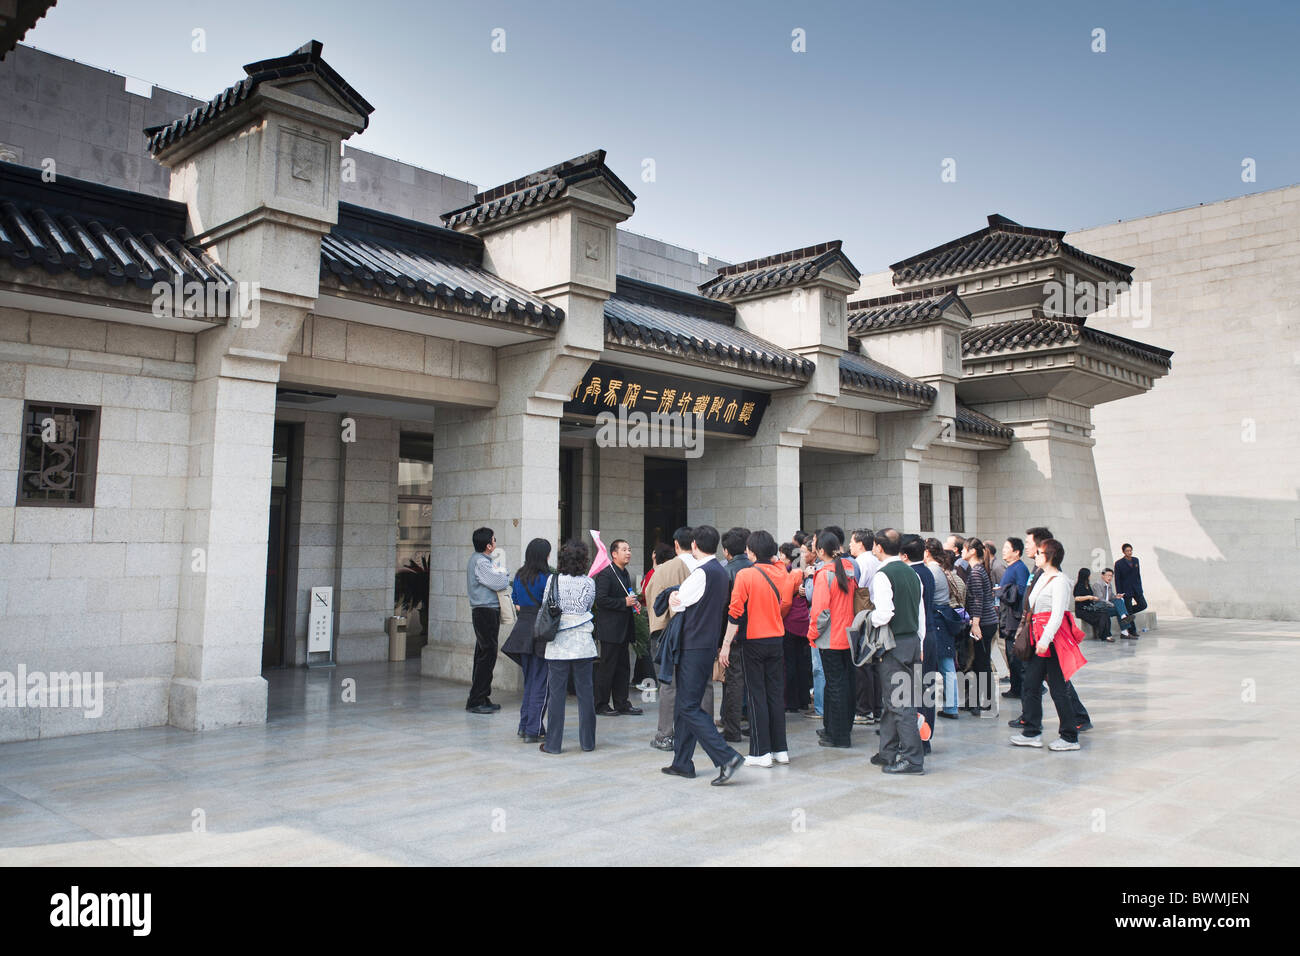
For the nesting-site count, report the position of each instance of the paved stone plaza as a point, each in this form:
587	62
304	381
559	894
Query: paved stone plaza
1180	770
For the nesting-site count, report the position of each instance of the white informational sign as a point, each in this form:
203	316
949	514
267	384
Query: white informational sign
320	625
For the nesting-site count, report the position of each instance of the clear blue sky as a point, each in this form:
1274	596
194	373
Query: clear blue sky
759	149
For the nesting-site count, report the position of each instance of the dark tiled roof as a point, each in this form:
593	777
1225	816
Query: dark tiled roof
862	374
97	233
1001	242
304	61
977	423
907	308
388	255
1038	332
537	188
14	28
773	272
655	319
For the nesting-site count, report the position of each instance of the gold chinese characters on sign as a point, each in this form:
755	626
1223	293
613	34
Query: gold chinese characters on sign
722	408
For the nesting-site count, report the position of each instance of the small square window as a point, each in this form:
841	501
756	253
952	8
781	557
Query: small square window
927	507
59	446
956	509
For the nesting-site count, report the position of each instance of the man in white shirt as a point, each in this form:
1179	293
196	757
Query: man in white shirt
866	680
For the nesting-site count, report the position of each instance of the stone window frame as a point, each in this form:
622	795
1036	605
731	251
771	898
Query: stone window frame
86	462
957	509
926	498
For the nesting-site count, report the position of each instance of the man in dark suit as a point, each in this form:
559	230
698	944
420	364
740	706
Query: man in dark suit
1128	585
616	609
702	602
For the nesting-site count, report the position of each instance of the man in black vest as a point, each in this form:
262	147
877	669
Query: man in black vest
702	602
913	551
616	609
897	597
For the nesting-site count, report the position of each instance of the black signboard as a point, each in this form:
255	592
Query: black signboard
724	409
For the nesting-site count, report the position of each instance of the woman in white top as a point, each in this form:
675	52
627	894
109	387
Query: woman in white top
1049	599
572	651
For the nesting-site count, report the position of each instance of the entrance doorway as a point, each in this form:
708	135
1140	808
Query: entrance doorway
273	617
665	502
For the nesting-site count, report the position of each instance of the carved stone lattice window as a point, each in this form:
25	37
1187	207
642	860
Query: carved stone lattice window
927	507
59	444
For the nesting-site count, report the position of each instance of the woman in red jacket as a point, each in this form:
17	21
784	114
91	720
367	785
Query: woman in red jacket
832	605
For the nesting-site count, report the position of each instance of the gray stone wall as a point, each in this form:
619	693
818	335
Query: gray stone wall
652	260
622	502
96	589
84	119
1200	474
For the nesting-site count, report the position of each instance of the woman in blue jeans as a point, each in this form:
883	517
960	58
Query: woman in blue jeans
528	591
573	650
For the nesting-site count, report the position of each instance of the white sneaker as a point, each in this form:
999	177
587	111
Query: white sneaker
1060	743
781	756
763	761
1020	740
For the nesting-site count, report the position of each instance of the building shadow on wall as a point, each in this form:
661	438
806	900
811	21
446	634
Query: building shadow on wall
1259	539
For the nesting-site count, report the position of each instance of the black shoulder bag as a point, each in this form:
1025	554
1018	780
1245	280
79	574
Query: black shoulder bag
547	622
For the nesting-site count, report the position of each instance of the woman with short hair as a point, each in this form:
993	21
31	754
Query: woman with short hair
1053	634
573	650
761	597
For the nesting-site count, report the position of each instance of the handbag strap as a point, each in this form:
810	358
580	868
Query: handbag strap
772	586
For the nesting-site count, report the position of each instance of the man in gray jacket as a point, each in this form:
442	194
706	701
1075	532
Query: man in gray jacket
484	580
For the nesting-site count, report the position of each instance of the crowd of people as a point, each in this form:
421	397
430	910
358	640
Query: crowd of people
782	627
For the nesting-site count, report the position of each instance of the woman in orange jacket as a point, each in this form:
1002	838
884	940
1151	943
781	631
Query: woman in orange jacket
832	607
761	597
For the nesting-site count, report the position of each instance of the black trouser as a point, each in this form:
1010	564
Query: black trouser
1016	666
929	688
1099	620
798	672
558	674
837	665
733	691
693	725
1135	605
899	737
864	690
487	627
613	673
981	669
1049	667
866	685
764	663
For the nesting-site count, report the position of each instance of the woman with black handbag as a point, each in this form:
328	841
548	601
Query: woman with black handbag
573	650
521	646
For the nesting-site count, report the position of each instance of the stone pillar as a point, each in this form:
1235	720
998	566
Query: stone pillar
754	483
260	182
500	467
1047	477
